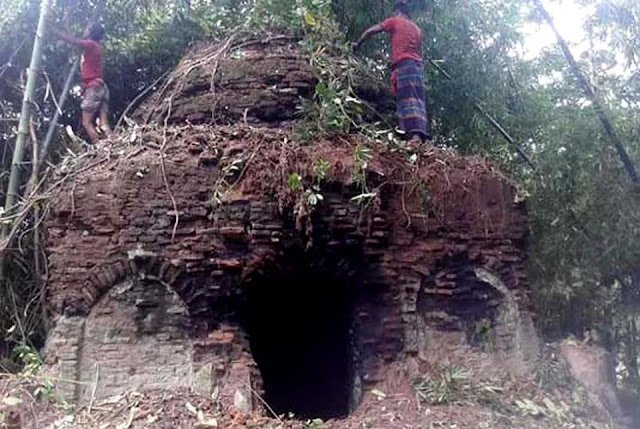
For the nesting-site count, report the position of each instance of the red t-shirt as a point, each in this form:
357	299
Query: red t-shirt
91	61
406	39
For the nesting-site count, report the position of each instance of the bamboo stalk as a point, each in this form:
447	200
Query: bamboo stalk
591	95
25	117
51	132
493	121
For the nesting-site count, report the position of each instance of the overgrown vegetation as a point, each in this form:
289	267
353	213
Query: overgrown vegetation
585	261
449	385
454	385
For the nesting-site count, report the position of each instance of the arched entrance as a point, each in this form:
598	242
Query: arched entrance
299	320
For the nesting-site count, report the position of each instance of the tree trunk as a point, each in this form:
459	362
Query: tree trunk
25	117
591	95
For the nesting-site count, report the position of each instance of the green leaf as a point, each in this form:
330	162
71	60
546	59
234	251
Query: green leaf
295	182
310	19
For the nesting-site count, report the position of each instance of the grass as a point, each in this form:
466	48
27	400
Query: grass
454	385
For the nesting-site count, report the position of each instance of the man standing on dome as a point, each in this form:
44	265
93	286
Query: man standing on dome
95	96
407	77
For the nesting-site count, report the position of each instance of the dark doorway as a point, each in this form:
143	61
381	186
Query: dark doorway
298	323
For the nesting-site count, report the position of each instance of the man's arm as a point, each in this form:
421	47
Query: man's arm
368	33
66	37
66	34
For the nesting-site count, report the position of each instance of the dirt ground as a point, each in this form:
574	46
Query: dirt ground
446	398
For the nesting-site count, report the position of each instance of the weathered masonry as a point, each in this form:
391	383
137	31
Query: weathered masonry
247	296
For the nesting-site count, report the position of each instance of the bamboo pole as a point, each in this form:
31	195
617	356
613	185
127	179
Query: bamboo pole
493	121
51	132
591	95
25	117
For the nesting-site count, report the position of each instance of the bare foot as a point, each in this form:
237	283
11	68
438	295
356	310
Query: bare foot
414	143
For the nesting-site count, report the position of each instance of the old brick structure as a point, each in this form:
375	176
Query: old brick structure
249	295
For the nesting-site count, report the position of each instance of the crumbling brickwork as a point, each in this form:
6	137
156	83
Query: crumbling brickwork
147	296
138	331
258	83
117	224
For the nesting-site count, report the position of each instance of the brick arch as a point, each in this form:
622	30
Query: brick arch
138	331
197	288
139	263
147	295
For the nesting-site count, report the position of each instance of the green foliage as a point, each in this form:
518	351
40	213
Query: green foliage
290	16
31	361
321	168
31	369
311	195
335	107
454	385
618	22
295	182
330	108
361	157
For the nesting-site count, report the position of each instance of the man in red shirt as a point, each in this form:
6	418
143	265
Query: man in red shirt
407	77
95	97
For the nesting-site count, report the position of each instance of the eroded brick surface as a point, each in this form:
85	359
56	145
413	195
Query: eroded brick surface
136	337
257	83
155	303
406	276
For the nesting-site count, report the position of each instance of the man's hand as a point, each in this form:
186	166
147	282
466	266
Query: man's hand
368	33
